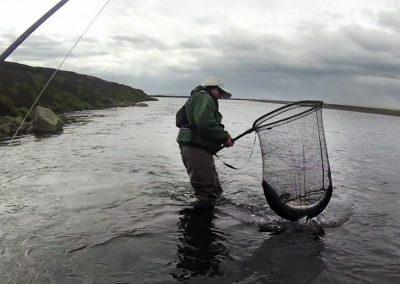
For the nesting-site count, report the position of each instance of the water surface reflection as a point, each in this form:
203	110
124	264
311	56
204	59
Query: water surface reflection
201	248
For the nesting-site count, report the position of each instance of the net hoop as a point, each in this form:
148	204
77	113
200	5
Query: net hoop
313	105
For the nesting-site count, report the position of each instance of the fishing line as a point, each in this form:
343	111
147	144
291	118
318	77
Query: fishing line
55	71
248	159
53	75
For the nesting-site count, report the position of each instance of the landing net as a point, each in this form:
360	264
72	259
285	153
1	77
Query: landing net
296	174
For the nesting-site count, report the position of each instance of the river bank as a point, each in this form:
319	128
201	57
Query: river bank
9	124
68	91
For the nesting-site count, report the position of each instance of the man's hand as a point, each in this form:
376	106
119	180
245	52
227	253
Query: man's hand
229	142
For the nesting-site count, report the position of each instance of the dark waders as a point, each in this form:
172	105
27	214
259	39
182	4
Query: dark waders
200	167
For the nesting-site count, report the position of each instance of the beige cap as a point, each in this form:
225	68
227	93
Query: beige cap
215	82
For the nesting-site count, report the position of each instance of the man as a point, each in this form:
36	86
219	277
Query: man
201	135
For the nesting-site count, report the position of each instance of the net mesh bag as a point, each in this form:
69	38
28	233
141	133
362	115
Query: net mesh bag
296	174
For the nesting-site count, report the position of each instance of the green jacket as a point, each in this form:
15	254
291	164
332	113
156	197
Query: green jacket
200	122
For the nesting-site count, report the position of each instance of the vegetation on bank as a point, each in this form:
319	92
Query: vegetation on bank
69	91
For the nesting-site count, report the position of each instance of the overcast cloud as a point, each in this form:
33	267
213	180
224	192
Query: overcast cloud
344	52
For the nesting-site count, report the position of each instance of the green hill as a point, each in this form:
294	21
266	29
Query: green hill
69	91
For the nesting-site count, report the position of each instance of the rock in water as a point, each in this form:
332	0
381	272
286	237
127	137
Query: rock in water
141	105
46	121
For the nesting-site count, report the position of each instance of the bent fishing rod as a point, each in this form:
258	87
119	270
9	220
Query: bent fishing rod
30	30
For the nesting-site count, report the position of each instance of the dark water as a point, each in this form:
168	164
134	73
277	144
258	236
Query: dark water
109	201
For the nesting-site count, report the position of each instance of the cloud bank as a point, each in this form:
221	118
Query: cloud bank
347	54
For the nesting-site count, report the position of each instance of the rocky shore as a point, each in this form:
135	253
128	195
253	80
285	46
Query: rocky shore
41	121
69	91
9	125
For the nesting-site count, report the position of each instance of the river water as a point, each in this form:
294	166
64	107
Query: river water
109	201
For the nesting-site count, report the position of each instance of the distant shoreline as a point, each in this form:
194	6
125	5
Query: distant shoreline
382	111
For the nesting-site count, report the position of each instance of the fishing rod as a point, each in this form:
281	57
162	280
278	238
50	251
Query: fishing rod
59	66
30	30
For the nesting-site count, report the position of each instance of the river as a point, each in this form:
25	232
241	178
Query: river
109	201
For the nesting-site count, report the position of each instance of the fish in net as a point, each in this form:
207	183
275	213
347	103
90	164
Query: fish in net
296	174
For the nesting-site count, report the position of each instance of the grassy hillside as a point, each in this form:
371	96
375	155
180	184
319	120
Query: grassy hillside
69	91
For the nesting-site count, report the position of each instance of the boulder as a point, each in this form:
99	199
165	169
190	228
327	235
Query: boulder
24	127
141	105
44	120
30	129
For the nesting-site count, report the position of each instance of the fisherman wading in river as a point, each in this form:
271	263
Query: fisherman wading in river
201	135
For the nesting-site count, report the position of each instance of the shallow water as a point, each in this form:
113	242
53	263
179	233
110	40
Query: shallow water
109	201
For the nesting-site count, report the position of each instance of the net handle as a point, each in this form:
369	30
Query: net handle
248	131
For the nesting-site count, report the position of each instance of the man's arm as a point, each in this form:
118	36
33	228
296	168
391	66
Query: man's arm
203	116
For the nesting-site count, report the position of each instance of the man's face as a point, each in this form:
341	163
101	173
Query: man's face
216	93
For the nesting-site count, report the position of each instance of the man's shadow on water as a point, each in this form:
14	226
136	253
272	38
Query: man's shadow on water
201	246
290	257
293	256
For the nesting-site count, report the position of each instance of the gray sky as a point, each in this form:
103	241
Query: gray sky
343	51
